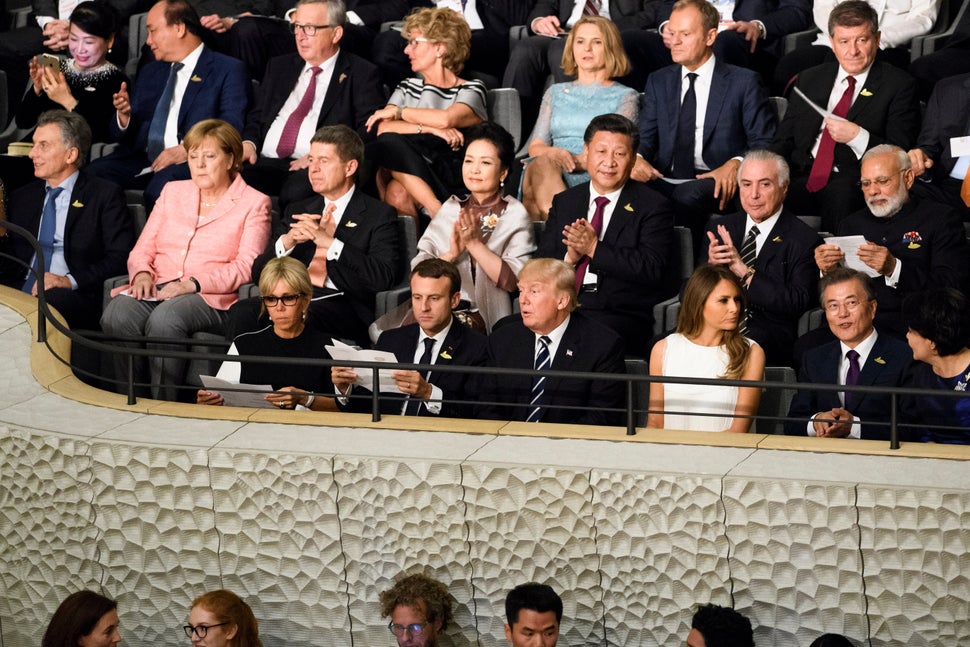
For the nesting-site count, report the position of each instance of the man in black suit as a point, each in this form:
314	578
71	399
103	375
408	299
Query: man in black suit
941	161
90	231
552	334
348	240
437	338
780	274
878	103
344	89
859	356
911	244
616	232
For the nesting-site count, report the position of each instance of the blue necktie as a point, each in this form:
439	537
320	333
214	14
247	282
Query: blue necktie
413	407
48	226
156	132
539	381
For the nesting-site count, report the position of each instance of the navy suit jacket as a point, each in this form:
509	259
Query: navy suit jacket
219	89
738	117
887	107
785	283
889	364
947	115
780	17
585	346
354	94
627	14
461	347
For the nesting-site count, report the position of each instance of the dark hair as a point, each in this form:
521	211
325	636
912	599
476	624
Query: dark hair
710	18
853	13
180	12
76	617
96	18
492	132
690	321
435	268
613	123
843	274
230	608
348	143
722	627
831	640
417	590
75	131
533	596
940	315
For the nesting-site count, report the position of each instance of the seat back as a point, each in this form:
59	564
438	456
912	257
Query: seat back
505	109
408	240
781	106
641	390
775	402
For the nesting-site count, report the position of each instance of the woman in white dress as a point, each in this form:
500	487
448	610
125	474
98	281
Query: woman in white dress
708	344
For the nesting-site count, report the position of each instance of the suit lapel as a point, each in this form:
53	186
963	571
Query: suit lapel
875	364
450	346
283	88
196	82
352	219
720	86
566	353
866	93
775	241
624	210
74	206
335	87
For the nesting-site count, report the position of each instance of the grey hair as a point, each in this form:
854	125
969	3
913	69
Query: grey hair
902	157
784	173
336	10
75	131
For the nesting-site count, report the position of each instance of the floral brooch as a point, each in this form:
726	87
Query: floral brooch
912	239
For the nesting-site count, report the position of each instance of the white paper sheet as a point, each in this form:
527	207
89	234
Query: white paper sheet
365	376
850	247
252	397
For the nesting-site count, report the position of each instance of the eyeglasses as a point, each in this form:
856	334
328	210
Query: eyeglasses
414	41
880	181
287	299
309	30
200	630
413	629
849	304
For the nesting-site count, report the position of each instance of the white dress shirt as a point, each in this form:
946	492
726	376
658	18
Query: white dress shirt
864	348
590	277
702	90
309	125
337	246
860	142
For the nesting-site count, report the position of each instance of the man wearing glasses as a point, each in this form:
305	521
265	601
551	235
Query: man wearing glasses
319	85
419	609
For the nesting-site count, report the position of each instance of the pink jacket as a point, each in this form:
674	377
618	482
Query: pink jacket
218	251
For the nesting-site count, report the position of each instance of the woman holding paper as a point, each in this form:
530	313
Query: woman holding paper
285	289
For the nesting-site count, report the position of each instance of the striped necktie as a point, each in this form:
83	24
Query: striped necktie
539	381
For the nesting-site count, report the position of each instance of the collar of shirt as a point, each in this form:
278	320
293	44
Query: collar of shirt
341	204
607	210
439	339
838	89
469	12
555	336
702	91
863	348
604	10
764	228
182	80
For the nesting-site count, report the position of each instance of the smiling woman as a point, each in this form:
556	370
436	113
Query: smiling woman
83	619
222	619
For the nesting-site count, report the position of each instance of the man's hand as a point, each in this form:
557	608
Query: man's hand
828	257
168	157
725	253
919	161
725	181
412	383
644	171
300	163
122	103
547	26
841	130
877	257
319	229
250	154
580	240
836	423
209	397
217	24
749	29
56	34
52	281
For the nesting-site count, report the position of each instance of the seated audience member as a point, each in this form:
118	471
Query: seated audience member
771	252
348	240
84	618
877	105
533	612
488	236
949	59
714	626
899	23
419	131
594	55
420	609
319	85
615	232
709	344
80	221
942	175
859	356
534	58
552	335
187	83
699	116
437	338
831	640
939	333
221	619
912	244
285	290
193	255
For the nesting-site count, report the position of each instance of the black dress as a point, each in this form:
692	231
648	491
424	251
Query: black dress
310	344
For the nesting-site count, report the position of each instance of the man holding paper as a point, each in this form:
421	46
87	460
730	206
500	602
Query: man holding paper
909	244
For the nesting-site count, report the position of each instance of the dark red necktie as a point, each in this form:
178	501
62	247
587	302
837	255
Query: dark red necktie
597	223
292	126
825	158
591	8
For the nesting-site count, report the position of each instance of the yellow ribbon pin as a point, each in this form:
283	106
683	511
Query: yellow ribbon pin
77	203
628	207
865	93
195	78
879	360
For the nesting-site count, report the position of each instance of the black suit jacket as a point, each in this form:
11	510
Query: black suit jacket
355	92
947	115
887	107
585	346
785	282
627	14
461	347
889	364
369	262
780	17
630	259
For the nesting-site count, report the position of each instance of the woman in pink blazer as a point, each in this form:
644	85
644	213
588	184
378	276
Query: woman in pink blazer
196	250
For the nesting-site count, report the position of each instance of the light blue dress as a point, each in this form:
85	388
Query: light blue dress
567	109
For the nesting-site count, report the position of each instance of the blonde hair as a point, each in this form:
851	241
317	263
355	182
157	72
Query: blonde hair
290	271
617	63
550	270
446	27
223	134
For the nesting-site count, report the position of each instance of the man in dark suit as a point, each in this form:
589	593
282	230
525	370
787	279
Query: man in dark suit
911	244
699	116
553	335
941	161
858	356
337	86
348	240
771	251
951	59
187	83
89	234
437	338
616	233
876	102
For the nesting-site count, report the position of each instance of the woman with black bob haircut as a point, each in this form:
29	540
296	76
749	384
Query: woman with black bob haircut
84	619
